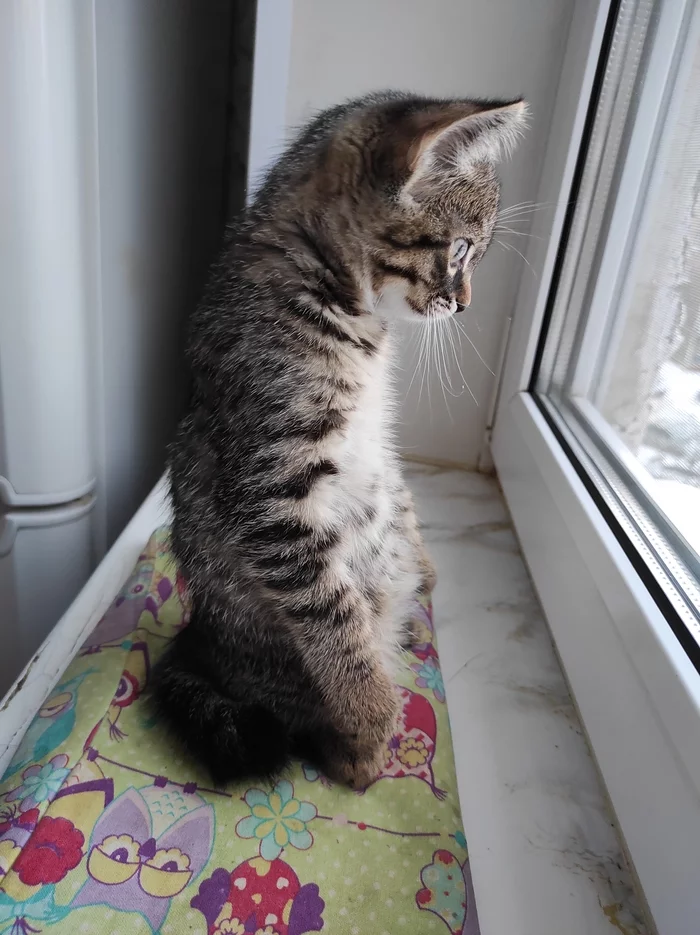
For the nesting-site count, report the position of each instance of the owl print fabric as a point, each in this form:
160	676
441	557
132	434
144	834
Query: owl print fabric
105	827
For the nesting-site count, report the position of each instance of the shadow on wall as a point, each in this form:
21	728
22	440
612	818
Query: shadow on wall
173	100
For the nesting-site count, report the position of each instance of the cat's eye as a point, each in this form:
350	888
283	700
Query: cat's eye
460	248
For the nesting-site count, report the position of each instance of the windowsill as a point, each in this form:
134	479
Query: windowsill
544	854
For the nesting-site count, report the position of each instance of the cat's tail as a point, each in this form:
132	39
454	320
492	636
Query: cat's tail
235	738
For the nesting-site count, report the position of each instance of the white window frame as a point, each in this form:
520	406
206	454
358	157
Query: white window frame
637	691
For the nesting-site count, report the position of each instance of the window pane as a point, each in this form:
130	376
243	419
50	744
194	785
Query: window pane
649	389
619	372
618	95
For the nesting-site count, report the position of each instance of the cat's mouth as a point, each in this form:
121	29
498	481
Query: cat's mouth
442	307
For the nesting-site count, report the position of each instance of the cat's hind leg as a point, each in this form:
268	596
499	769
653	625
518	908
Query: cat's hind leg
223	723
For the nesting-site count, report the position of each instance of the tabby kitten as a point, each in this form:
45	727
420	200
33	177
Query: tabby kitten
292	524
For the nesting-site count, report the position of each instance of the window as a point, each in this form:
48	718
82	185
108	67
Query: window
596	437
620	364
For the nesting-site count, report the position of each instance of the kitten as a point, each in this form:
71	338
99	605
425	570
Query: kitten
292	524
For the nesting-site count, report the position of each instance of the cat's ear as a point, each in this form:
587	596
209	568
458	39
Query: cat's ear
450	141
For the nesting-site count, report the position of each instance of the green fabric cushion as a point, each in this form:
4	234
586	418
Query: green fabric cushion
106	828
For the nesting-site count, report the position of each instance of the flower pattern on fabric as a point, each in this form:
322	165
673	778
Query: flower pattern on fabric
121	847
40	783
311	774
423	632
14	822
389	751
212	897
231	927
412	752
422	626
277	819
145	848
55	847
171	859
9	852
265	897
447	892
160	594
128	690
127	831
228	924
429	676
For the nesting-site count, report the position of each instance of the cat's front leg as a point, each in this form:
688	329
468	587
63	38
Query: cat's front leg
336	635
365	707
410	528
367	724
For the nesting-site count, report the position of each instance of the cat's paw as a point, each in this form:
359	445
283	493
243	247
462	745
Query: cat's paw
364	772
362	752
366	714
368	710
380	709
359	769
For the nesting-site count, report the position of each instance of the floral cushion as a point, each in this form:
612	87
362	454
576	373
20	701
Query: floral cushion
106	828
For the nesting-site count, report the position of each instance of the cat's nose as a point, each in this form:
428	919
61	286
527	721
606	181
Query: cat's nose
467	292
465	297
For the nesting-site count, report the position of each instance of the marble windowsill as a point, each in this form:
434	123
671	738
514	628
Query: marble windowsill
545	855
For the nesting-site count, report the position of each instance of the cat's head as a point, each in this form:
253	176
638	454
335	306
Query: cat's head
443	203
402	191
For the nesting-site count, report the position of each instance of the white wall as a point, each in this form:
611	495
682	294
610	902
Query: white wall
487	48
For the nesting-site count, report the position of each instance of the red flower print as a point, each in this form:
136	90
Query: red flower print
54	848
13	818
128	690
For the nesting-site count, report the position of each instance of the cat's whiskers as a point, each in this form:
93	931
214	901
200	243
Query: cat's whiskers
436	341
446	339
422	357
455	354
460	328
431	352
516	219
522	213
416	343
523	208
439	357
438	360
475	319
457	361
519	204
501	229
411	349
442	363
509	246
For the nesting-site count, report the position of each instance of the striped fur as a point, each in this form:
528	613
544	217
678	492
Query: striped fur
291	521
